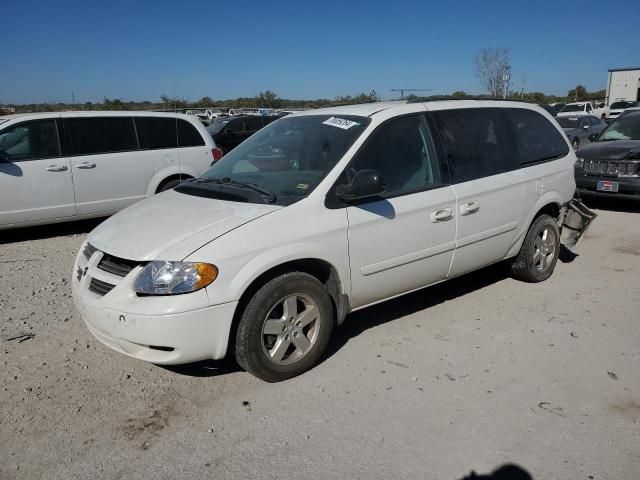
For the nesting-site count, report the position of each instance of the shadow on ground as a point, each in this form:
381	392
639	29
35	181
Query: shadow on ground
505	472
612	204
41	232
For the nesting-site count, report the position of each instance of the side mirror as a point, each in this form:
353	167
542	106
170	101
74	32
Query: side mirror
593	137
365	184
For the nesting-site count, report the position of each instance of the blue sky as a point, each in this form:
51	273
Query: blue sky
138	50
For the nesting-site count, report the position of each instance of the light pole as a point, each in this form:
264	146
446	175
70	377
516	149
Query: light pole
505	81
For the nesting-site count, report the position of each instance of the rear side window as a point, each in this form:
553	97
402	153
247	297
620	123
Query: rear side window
188	135
102	135
31	140
537	140
477	141
157	132
236	125
253	123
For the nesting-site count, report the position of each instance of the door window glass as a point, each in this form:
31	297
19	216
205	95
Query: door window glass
103	135
32	140
403	152
253	123
188	136
477	141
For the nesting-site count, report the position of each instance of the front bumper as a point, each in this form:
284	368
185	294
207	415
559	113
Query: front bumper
162	330
628	187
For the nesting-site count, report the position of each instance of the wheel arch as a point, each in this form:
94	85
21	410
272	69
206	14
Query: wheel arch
548	204
321	269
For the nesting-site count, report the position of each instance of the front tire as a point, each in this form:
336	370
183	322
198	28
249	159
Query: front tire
285	327
539	252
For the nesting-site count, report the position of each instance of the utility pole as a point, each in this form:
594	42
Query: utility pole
73	98
505	81
402	90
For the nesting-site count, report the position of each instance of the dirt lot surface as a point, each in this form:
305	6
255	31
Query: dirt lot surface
468	375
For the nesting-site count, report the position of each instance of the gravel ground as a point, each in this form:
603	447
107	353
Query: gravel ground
468	375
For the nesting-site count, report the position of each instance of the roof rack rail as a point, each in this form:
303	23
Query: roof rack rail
445	97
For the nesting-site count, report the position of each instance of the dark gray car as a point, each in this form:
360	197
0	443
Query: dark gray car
579	128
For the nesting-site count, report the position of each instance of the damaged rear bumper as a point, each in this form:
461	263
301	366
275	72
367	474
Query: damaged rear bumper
575	220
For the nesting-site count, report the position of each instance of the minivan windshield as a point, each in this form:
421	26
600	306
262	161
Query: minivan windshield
627	127
573	108
283	162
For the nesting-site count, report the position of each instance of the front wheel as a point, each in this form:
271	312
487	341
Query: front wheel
539	252
285	327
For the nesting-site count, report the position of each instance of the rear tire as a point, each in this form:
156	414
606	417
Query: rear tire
285	327
539	252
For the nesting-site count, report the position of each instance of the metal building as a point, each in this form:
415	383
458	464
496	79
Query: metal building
623	84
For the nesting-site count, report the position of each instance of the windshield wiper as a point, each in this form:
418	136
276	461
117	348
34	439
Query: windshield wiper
271	197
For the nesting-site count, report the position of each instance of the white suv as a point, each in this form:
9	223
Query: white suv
317	215
56	167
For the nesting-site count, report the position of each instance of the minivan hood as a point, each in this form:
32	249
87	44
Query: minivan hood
611	150
171	225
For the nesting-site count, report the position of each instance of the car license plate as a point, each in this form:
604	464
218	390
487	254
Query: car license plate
607	186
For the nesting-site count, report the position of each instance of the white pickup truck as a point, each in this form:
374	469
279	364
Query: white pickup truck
583	108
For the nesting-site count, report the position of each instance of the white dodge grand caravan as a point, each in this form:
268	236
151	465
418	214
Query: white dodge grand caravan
317	215
56	167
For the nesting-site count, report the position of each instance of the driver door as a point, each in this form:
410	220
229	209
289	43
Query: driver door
35	179
403	239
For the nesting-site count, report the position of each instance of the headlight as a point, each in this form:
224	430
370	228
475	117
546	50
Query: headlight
579	163
171	278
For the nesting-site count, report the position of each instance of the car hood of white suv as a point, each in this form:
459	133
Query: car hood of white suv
171	225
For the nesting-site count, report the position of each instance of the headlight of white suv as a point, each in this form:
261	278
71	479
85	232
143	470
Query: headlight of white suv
172	278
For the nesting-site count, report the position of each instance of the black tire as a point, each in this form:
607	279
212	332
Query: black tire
251	349
528	265
575	143
168	185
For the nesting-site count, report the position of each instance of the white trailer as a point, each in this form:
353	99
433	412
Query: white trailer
623	84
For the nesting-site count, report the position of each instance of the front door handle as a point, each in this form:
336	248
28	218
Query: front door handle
86	165
56	168
442	215
469	208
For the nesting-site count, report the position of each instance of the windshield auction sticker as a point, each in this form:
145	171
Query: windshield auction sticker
342	123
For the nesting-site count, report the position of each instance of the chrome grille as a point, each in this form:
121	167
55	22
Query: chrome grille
99	287
614	169
117	266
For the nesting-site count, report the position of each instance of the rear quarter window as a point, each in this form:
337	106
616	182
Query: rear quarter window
188	135
537	140
157	132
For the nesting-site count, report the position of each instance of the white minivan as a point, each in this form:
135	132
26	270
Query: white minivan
56	167
319	214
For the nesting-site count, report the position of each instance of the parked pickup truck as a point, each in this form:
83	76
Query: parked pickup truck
584	108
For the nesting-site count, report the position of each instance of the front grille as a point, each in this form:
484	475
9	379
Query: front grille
88	251
116	266
614	169
99	287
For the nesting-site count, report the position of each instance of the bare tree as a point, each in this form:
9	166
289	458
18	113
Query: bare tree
493	70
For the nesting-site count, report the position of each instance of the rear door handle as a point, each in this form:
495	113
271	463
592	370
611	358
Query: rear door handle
56	168
86	165
442	215
469	208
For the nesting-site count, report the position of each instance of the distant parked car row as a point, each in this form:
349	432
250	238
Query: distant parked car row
579	129
229	132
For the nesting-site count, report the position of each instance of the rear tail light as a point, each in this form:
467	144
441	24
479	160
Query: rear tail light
217	154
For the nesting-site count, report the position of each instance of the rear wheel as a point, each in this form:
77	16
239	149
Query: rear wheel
285	327
539	252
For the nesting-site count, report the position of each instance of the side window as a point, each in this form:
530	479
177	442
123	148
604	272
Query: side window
536	138
236	125
477	141
157	132
102	135
30	141
188	135
253	123
403	152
